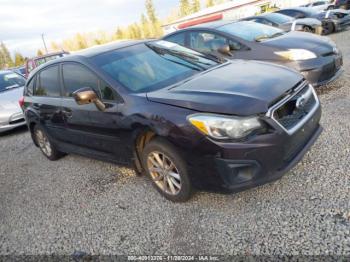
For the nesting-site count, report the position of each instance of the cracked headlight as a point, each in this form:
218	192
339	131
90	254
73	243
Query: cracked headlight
224	127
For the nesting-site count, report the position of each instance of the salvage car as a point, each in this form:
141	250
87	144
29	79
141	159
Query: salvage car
332	20
287	23
320	5
316	57
11	90
185	119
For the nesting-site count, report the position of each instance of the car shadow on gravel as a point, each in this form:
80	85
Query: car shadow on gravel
14	132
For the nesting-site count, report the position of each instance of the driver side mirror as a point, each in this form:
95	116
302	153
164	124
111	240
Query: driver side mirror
86	96
225	50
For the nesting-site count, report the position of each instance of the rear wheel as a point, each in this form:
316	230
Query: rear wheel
167	170
45	145
328	28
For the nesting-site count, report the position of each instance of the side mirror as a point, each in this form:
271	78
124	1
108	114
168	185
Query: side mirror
225	50
87	95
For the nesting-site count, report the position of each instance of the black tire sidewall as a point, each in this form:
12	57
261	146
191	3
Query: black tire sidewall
163	146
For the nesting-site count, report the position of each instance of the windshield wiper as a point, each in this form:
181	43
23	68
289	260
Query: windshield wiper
182	55
262	37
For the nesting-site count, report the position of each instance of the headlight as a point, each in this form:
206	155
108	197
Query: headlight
222	127
296	54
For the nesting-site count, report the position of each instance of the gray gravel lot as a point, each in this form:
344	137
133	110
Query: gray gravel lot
79	204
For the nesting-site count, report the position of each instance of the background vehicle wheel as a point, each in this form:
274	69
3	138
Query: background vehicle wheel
46	147
168	171
328	28
307	29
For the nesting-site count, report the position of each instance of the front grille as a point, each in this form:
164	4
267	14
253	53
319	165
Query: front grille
294	111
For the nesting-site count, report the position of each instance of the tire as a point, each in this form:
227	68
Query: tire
307	29
167	170
328	28
45	145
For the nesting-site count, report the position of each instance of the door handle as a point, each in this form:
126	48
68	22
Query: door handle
67	112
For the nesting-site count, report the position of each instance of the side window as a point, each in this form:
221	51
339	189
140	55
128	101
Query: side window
291	13
47	83
206	42
234	45
29	90
177	39
76	77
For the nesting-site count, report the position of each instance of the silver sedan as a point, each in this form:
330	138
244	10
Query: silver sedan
11	90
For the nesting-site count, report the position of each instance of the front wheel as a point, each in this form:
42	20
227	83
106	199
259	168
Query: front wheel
45	145
328	28
167	169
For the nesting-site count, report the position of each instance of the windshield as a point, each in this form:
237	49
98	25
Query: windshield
154	65
279	18
10	80
250	31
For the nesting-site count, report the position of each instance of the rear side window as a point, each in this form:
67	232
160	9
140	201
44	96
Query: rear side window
76	77
29	90
177	39
206	42
47	83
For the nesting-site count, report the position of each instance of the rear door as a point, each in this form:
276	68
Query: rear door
46	100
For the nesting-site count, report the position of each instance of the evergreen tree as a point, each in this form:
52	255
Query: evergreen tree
185	8
195	6
39	52
209	3
19	59
119	34
152	17
5	57
145	27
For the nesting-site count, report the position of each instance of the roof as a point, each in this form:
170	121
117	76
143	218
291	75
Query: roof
215	24
214	9
98	49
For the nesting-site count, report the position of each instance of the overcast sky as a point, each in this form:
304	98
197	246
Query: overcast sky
23	21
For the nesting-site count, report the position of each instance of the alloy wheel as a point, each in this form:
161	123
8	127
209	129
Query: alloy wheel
43	142
164	173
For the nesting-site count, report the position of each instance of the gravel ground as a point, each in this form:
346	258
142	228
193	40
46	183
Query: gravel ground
79	204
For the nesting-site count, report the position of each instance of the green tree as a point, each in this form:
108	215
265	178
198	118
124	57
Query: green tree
152	17
39	52
80	41
185	8
6	59
119	34
19	59
195	6
145	27
209	3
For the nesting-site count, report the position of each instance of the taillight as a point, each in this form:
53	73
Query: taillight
21	102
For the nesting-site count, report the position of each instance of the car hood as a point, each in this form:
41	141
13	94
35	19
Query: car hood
9	101
300	40
312	22
238	88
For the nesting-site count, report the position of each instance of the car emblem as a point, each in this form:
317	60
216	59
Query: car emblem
301	101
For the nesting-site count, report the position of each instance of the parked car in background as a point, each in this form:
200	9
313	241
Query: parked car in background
11	90
320	5
185	119
332	20
39	60
19	70
342	4
316	57
287	23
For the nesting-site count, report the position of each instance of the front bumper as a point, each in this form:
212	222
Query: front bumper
233	167
16	120
321	70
